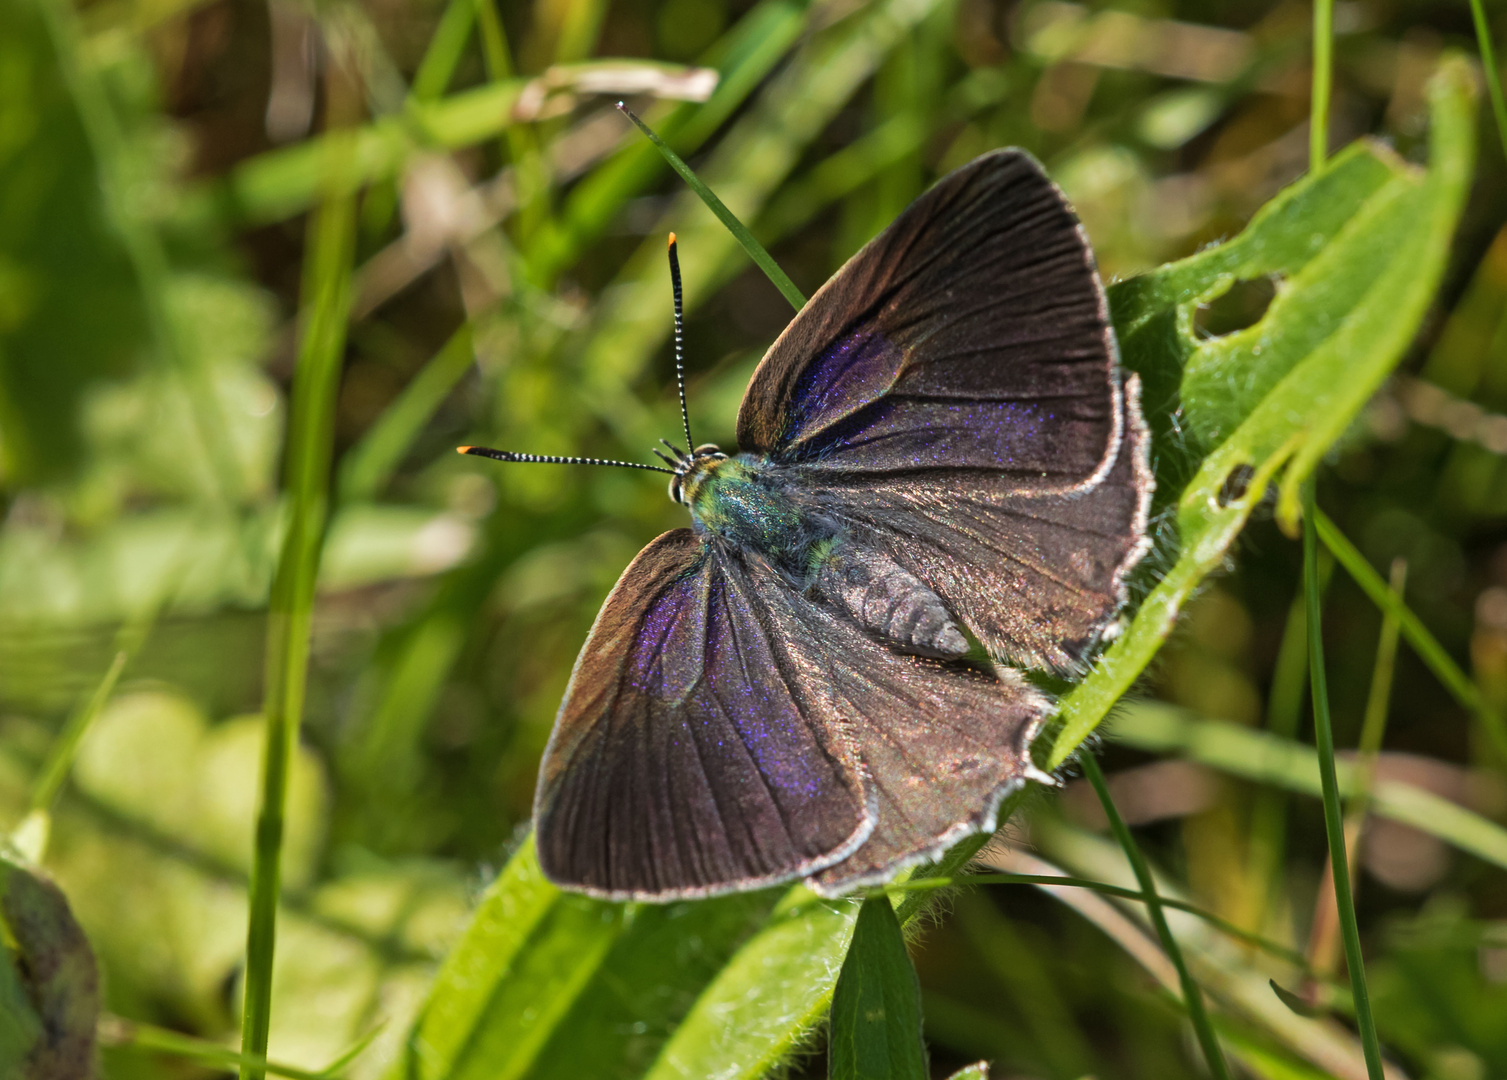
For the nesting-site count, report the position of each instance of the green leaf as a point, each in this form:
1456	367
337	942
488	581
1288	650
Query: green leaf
768	996
876	1008
1359	250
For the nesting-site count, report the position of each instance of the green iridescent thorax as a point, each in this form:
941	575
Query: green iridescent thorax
736	499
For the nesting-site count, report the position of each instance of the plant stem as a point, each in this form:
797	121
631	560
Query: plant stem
1192	997
1323	939
1323	77
740	231
1433	654
1334	825
311	435
1489	63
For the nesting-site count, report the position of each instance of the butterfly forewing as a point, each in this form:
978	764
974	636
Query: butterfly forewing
690	755
1035	577
971	335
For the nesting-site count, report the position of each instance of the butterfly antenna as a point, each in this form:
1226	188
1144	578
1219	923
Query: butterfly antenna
548	459
685	416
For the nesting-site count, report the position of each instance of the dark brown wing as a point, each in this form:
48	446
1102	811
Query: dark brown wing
691	755
1036	577
941	743
971	336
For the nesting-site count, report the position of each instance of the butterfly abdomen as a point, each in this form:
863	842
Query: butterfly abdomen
886	599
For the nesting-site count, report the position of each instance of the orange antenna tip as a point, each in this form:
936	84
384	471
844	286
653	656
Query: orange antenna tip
672	239
463	449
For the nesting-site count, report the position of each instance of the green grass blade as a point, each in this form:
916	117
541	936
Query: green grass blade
1493	76
1378	702
60	755
876	1006
326	304
1266	945
148	1038
755	249
1259	757
1192	996
280	183
1323	81
744	57
1334	821
444	51
1433	654
368	465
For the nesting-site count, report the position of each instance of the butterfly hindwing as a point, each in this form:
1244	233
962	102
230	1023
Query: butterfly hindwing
690	755
971	336
941	743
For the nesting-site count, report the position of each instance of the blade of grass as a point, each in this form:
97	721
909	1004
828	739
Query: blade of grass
60	755
1284	708
326	302
744	57
1378	701
1334	825
1493	76
368	465
1192	997
1253	755
355	1050
1323	80
755	249
446	45
1292	956
30	836
1224	969
1030	979
1323	938
1433	654
124	1034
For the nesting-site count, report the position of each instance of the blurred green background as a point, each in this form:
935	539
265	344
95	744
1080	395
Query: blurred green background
158	163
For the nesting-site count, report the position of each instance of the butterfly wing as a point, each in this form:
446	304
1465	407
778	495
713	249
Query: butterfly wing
941	743
1036	577
970	337
691	755
952	396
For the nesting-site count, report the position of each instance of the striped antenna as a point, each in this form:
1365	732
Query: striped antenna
549	459
685	416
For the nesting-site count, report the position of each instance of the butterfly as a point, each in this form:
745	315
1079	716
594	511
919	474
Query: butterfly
939	460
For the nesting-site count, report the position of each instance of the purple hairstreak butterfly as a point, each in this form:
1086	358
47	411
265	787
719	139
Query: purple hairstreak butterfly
941	479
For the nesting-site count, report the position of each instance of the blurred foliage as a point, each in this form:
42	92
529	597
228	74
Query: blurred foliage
158	159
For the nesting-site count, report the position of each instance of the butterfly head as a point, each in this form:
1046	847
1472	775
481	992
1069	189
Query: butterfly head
691	470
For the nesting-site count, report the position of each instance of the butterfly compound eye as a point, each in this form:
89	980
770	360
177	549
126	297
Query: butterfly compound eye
675	488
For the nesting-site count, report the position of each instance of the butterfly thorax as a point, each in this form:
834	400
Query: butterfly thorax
742	502
738	501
